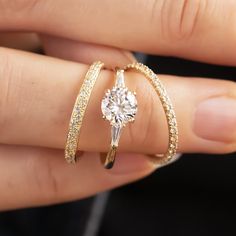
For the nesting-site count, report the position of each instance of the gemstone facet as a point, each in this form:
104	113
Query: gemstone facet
119	106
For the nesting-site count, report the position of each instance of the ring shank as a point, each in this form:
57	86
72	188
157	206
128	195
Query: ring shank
79	110
167	106
120	108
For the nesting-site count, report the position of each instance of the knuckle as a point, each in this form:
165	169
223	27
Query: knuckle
180	19
12	104
44	178
6	76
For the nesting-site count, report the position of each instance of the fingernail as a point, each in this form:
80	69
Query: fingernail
131	163
215	119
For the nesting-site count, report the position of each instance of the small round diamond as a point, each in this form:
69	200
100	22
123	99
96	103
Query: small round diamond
119	106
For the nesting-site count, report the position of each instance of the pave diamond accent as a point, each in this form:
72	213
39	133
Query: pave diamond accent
78	111
167	106
119	106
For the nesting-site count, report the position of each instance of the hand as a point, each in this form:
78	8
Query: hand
37	92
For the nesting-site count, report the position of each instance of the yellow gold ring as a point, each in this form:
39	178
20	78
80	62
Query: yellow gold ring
79	110
119	107
162	159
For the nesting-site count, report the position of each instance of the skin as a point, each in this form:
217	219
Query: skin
35	103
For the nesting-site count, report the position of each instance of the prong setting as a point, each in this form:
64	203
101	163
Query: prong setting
119	107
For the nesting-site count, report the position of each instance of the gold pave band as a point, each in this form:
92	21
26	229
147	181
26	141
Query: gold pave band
168	108
79	111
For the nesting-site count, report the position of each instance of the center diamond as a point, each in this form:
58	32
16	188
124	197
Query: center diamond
119	106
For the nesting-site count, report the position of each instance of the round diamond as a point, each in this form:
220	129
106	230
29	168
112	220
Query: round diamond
119	106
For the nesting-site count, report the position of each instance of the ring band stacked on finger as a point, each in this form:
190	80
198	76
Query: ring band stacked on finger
169	156
119	107
78	112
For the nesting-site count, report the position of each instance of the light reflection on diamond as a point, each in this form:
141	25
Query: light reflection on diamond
119	106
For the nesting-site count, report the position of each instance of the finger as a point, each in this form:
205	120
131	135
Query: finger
85	52
40	176
24	41
36	105
183	28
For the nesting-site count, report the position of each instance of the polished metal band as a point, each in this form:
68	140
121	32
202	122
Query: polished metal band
79	110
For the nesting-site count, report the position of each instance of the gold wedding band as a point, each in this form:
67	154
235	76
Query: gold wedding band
169	156
79	110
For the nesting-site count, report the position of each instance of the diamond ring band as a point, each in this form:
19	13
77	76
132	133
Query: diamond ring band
79	111
119	106
161	159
